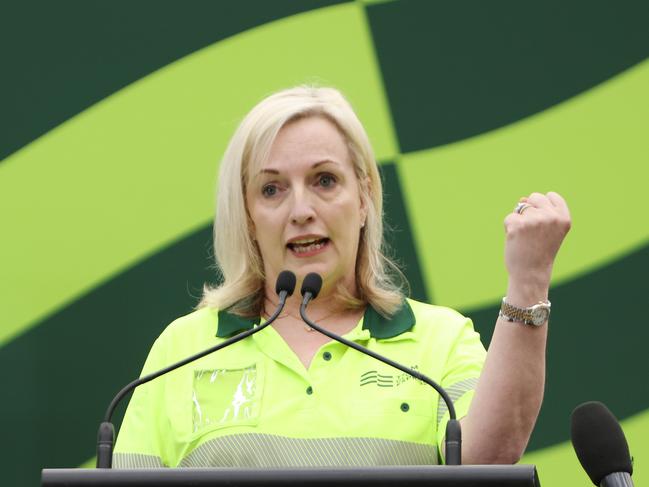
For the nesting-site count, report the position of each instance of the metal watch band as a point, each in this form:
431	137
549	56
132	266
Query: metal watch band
534	315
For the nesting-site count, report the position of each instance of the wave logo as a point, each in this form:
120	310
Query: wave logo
373	377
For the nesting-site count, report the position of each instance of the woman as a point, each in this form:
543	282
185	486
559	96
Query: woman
299	190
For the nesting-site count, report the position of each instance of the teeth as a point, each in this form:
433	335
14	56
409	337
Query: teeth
308	248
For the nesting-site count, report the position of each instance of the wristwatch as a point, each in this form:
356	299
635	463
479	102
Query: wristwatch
534	315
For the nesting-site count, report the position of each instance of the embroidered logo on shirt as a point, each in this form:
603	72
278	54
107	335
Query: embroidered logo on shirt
373	377
386	380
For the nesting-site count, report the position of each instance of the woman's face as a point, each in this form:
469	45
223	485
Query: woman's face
305	204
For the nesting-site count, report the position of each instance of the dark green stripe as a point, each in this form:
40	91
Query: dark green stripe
398	233
59	58
456	69
597	343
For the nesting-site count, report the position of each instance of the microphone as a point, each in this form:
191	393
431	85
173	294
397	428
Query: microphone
284	287
311	286
600	445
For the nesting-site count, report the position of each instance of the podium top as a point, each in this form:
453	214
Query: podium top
410	476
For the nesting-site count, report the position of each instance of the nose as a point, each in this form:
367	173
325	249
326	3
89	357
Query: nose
302	211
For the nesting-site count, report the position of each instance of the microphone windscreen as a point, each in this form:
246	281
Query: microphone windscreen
285	282
599	441
312	284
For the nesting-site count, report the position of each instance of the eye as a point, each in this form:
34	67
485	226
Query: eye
269	190
326	180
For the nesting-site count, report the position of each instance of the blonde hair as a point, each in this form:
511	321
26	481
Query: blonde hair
237	255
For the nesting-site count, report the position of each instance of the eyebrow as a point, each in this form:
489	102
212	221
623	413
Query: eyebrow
316	164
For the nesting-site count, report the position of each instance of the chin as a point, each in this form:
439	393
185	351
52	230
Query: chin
303	270
323	271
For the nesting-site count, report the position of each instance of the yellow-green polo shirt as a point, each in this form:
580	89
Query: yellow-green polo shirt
254	404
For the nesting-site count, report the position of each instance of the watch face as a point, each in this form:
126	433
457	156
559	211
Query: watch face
540	315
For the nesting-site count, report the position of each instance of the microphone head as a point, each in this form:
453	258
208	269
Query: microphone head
599	441
285	282
312	283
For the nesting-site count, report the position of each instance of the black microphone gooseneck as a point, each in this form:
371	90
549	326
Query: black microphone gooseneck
600	445
310	289
106	436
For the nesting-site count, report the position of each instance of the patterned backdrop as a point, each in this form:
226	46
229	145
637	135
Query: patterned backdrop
114	116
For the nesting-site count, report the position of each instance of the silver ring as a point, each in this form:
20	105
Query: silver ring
521	207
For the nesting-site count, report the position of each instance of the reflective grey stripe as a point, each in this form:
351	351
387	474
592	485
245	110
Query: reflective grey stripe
455	391
136	460
262	450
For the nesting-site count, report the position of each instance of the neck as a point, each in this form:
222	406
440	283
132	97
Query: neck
316	307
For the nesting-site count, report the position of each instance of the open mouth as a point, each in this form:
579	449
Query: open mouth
308	246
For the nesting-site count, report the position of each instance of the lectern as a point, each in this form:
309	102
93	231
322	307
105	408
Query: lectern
401	476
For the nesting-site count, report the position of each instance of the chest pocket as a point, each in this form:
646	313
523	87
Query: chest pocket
403	417
404	406
226	397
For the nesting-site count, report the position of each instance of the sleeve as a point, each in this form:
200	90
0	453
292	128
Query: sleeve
140	442
460	376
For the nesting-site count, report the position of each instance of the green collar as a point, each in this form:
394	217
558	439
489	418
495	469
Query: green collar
378	326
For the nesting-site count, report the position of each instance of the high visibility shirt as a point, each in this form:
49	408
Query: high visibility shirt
254	404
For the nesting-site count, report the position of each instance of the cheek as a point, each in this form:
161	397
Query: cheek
345	222
268	226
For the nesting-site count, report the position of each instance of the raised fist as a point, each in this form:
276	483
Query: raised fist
534	231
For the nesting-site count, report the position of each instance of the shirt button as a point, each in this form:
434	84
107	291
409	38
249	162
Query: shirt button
309	390
326	356
405	407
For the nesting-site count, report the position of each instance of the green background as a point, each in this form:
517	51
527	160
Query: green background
114	116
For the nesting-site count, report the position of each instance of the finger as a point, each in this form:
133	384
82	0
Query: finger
528	210
561	208
511	220
558	201
519	211
520	206
539	200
